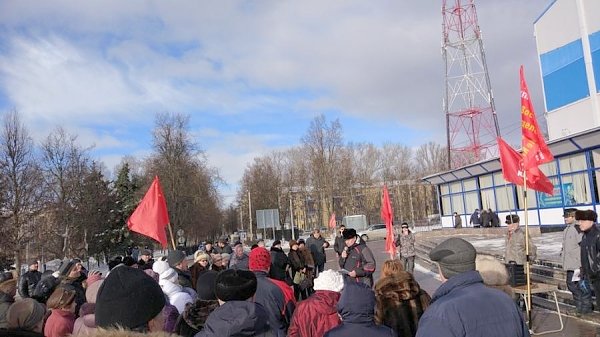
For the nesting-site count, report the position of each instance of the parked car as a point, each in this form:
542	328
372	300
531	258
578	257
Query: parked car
373	232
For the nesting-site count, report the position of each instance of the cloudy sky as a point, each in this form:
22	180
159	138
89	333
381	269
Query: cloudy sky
251	74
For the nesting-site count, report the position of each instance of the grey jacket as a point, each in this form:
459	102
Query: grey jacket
571	251
515	247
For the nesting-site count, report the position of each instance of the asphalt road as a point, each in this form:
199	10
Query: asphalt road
543	320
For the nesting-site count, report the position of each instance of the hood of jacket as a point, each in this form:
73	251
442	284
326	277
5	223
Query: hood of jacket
237	319
324	301
357	303
169	288
455	282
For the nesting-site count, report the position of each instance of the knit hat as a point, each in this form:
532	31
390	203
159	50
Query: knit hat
129	298
200	255
175	257
205	286
512	218
454	256
259	259
588	215
235	285
569	212
329	280
91	292
349	233
25	314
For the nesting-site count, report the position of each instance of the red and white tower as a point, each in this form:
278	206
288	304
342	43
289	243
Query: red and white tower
471	120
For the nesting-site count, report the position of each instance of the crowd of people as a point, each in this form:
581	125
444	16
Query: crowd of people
229	291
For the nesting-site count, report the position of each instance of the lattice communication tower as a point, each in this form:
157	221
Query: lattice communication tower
471	120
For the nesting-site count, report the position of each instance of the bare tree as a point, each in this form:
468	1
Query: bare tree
22	192
430	158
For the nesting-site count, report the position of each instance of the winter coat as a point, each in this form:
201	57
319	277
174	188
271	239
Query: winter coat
315	315
86	322
279	265
475	219
406	244
59	324
289	299
495	220
464	306
296	260
360	259
27	283
356	307
5	302
45	288
113	332
493	273
339	244
19	333
192	320
195	271
237	318
317	250
185	279
239	262
486	219
171	314
457	221
590	253
515	247
571	251
272	299
307	257
400	303
177	297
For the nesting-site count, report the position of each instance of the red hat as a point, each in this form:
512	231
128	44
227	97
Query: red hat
259	259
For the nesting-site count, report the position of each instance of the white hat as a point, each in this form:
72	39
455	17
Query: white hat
329	280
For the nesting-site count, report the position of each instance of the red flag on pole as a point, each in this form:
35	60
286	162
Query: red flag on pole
535	150
150	218
387	214
511	162
332	223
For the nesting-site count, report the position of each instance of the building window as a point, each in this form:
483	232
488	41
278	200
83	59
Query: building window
446	209
457	204
550	201
576	189
455	187
471	201
499	179
596	157
444	189
572	163
549	169
470	184
486	181
487	199
505	198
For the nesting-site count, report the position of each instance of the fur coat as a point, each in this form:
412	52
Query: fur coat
400	303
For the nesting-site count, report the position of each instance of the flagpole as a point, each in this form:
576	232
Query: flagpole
172	237
528	299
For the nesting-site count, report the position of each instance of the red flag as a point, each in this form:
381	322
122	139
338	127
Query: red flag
511	163
535	150
150	218
387	214
332	223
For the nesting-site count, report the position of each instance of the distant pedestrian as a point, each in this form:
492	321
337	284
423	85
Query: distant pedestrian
357	259
239	258
495	218
463	305
339	245
279	264
318	314
146	260
406	242
475	219
571	261
29	280
357	311
457	221
316	244
486	218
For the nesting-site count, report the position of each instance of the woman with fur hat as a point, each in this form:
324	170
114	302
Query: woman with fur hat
62	319
318	314
201	264
26	318
400	299
8	290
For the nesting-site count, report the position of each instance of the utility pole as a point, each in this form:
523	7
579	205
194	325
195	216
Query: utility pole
292	217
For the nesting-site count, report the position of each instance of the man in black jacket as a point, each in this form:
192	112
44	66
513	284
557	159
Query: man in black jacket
590	253
317	244
29	280
357	259
339	241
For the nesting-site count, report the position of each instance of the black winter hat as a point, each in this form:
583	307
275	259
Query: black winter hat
276	243
128	297
66	267
454	256
175	256
512	218
586	215
205	286
569	212
235	285
349	233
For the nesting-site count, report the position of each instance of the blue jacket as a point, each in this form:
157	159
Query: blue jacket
271	298
237	318
464	306
357	308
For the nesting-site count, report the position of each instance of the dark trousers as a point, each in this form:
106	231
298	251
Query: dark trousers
583	302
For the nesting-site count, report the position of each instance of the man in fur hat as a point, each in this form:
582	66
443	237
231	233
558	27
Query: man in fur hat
515	242
590	255
357	259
